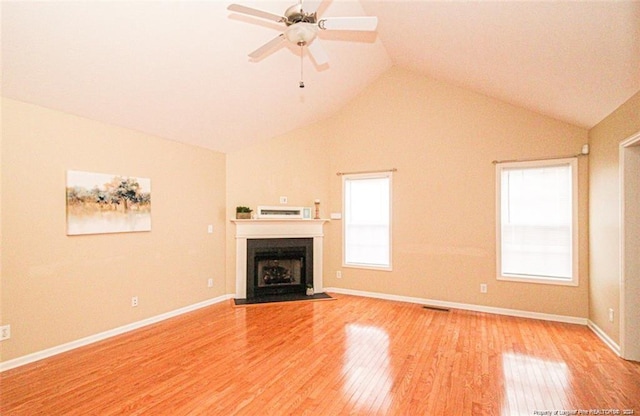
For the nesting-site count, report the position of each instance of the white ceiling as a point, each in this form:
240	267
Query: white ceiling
179	69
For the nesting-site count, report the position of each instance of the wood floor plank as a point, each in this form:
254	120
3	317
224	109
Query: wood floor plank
353	355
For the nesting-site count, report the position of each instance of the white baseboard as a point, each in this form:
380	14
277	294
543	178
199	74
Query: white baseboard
36	356
604	337
465	306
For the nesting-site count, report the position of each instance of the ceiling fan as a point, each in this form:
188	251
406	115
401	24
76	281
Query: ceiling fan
302	27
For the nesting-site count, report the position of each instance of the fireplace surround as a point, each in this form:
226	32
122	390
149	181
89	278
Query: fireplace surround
280	232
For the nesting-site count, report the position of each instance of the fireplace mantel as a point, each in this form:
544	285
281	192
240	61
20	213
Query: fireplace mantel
277	228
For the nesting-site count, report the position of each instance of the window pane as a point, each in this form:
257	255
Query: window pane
536	221
367	221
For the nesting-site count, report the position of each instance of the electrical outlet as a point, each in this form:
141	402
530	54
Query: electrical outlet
134	301
5	332
210	283
283	200
339	274
483	288
610	314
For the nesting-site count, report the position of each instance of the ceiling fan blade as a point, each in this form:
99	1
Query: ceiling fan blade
317	53
255	12
349	23
268	46
311	6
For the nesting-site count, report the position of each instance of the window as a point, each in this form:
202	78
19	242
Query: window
537	229
367	220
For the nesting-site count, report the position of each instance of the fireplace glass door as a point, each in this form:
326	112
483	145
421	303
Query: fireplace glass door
279	266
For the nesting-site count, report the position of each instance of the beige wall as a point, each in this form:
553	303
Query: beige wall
2	247
604	213
442	139
58	288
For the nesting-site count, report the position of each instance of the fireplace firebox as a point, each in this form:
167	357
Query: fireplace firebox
279	266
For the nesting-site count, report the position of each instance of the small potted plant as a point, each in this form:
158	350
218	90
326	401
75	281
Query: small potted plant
243	213
309	289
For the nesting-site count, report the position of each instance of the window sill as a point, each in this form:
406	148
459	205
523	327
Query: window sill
539	280
368	267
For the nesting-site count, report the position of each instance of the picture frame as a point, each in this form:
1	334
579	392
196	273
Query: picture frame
100	203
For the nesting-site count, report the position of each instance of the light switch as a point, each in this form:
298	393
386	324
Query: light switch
210	229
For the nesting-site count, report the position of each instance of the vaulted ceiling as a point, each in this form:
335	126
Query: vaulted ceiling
180	70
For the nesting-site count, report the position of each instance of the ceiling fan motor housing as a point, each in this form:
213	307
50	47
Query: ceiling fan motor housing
295	14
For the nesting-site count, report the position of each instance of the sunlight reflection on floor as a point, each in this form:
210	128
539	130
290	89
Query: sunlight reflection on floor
366	367
531	383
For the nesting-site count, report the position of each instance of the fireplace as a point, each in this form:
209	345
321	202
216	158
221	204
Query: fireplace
279	266
279	233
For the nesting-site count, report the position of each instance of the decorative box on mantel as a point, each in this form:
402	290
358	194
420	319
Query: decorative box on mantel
277	229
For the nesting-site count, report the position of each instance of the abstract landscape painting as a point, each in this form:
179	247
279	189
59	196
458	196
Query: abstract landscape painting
101	203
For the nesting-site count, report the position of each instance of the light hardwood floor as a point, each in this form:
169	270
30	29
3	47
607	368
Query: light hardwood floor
350	355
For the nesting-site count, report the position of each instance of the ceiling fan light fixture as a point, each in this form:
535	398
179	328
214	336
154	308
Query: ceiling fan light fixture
301	33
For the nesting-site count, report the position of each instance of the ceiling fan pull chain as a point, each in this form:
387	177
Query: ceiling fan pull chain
301	85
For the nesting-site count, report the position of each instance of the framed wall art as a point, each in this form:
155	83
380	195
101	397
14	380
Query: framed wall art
100	203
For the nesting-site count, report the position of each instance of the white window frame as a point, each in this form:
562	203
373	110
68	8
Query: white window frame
355	176
573	280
